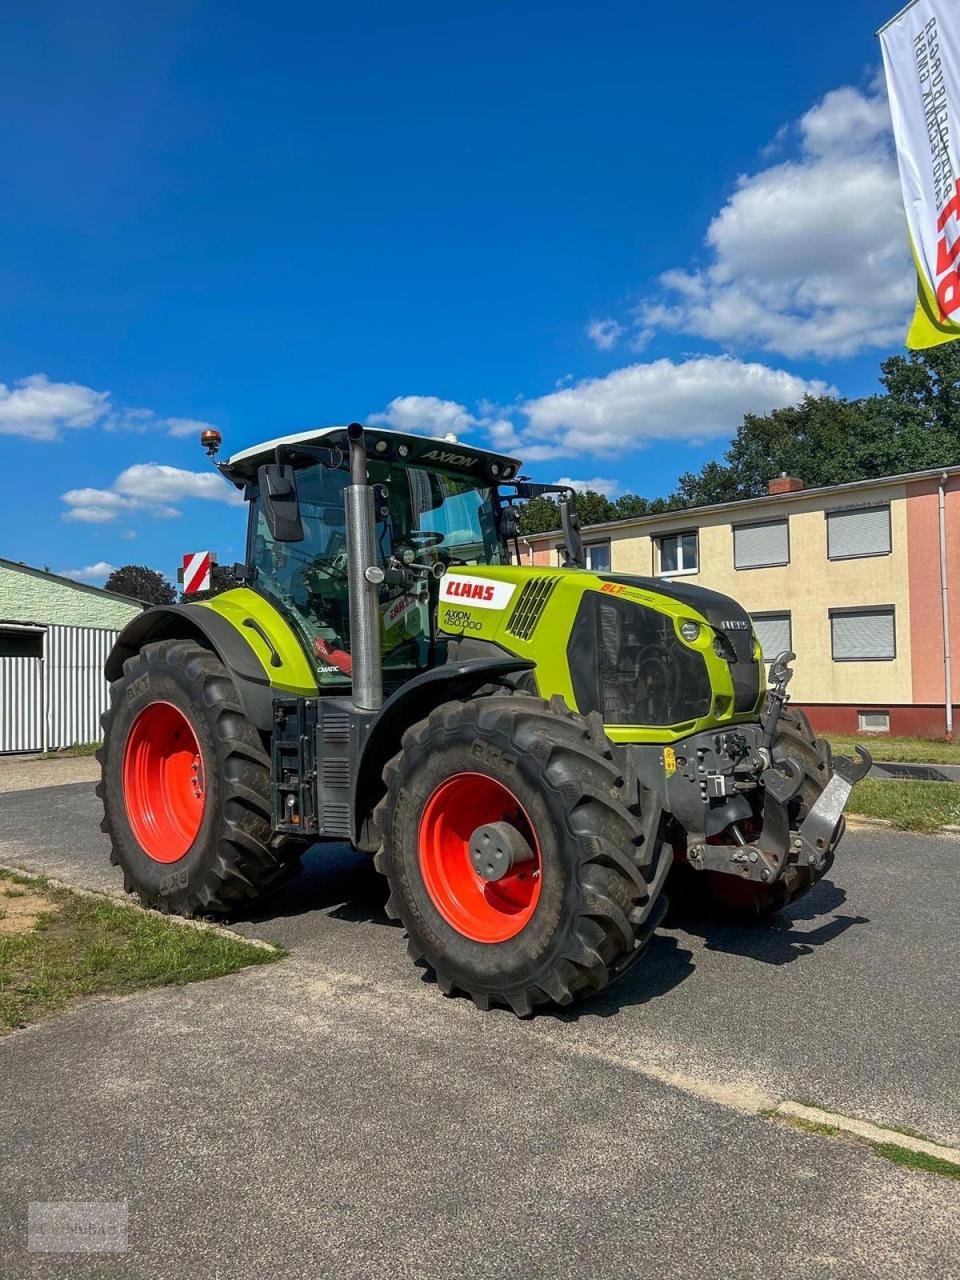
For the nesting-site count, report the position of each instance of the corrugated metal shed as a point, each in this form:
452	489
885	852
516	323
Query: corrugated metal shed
21	704
56	699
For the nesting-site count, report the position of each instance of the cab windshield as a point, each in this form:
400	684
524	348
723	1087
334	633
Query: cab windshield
430	515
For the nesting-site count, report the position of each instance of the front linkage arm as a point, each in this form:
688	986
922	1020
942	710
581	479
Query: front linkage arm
766	857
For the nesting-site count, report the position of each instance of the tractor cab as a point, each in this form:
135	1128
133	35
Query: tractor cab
436	506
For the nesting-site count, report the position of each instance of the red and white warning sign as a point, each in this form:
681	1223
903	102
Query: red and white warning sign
197	566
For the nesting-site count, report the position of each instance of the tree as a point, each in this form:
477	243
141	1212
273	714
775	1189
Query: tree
542	515
142	583
913	425
539	515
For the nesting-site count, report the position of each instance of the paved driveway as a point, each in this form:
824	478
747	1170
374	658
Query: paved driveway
334	1115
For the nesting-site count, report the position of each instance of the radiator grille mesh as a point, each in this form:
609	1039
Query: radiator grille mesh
530	606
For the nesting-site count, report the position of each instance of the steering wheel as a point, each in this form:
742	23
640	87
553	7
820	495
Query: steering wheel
424	538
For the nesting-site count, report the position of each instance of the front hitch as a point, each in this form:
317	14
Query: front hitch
780	844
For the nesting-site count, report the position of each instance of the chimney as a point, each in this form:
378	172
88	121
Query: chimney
784	484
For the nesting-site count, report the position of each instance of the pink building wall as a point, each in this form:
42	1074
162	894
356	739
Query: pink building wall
923	568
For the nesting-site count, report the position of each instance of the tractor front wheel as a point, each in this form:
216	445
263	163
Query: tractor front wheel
185	785
514	861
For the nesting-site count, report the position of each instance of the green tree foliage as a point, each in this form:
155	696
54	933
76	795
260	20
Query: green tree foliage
542	515
142	583
914	424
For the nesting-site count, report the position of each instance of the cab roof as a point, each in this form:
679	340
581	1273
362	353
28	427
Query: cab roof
432	451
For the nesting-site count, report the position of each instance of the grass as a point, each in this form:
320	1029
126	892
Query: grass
911	806
894	1151
916	1159
81	946
908	750
71	753
812	1126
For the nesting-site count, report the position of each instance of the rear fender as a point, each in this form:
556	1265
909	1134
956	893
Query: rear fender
212	631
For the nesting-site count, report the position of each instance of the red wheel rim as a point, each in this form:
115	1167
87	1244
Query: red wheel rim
483	910
163	787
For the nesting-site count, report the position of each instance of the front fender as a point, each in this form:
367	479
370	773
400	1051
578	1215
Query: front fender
414	701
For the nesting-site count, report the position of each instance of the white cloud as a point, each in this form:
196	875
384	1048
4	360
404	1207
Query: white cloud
187	427
98	572
39	409
137	420
424	415
446	420
148	487
598	484
152	482
695	399
604	333
688	401
809	256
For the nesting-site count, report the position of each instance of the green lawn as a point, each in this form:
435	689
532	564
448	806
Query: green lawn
57	946
70	753
909	750
913	806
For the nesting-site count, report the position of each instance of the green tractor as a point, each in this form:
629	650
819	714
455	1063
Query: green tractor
524	750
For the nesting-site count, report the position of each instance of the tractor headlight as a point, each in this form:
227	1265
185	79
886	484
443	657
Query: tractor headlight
690	630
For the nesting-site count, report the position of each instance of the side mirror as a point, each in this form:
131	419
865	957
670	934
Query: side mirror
279	502
570	524
509	523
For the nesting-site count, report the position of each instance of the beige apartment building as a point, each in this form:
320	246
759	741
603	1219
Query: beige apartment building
861	581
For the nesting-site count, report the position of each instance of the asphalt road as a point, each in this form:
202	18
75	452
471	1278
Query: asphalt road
333	1114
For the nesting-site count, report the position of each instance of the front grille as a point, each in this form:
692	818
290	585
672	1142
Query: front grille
627	662
530	606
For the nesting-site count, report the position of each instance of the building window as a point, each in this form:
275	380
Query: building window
863	635
756	546
863	531
774	633
598	557
21	644
679	553
873	721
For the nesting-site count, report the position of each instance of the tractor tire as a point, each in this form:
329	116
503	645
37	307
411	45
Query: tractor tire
746	902
560	923
185	785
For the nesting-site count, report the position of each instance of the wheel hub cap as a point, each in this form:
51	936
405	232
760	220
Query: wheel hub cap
479	858
163	782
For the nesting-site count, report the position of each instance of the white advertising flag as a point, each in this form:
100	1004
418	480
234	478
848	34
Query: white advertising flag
921	58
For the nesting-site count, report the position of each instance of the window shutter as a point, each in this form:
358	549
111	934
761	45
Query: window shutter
863	635
773	632
755	545
858	533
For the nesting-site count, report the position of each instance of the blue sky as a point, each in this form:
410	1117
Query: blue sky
595	234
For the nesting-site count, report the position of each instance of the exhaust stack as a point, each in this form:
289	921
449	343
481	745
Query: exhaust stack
363	577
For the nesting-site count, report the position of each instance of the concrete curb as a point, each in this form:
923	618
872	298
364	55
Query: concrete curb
872	1133
854	820
131	904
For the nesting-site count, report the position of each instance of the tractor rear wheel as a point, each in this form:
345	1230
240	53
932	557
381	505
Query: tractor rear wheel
185	785
520	873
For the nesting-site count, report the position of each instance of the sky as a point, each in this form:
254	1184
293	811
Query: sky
593	236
